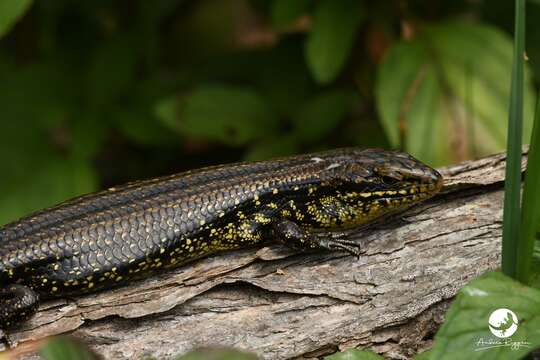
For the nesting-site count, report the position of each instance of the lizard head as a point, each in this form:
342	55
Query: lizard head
375	181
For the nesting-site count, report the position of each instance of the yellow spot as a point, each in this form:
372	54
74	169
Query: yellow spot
275	191
54	289
118	278
202	222
90	285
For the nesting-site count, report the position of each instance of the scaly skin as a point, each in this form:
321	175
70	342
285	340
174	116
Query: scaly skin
101	240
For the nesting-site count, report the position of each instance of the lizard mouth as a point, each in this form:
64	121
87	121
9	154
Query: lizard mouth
405	190
398	196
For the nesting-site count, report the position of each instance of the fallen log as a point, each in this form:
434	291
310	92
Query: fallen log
281	304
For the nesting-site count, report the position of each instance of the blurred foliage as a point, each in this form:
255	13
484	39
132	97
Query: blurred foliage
11	13
448	92
96	93
354	354
66	348
69	348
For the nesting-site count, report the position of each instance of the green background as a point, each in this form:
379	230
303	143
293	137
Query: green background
98	93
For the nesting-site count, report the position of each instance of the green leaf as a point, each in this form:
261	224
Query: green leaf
66	348
511	238
318	116
143	127
530	215
11	12
217	354
229	114
53	180
335	24
466	330
354	354
444	96
285	11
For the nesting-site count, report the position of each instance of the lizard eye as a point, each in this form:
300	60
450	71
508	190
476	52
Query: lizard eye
387	180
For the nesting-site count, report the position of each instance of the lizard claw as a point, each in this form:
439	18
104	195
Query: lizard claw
349	246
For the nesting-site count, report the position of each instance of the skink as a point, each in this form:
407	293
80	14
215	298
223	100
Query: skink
107	238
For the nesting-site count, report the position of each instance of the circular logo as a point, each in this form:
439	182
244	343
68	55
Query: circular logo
503	323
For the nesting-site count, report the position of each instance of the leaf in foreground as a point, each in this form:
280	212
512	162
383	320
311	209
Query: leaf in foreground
466	334
66	348
354	354
530	211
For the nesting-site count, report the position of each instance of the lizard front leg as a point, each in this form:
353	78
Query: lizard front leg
292	235
16	302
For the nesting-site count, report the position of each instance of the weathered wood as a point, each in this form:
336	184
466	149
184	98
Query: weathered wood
281	304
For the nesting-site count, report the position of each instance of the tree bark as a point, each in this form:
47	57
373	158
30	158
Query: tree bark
280	304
